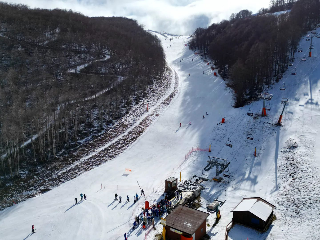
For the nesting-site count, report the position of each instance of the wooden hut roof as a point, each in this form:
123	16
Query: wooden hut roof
185	219
257	206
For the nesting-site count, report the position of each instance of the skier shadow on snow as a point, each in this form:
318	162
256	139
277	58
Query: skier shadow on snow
30	234
131	231
115	206
74	205
139	231
124	204
131	205
111	203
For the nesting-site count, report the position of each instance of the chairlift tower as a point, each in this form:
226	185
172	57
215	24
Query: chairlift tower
310	48
219	163
310	78
284	101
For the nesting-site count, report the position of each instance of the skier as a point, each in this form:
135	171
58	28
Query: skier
189	74
128	198
76	200
119	199
207	113
81	195
137	197
32	228
203	116
142	192
134	199
134	224
84	196
116	197
125	236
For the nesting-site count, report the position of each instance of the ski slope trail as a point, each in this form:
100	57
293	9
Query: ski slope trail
284	175
155	154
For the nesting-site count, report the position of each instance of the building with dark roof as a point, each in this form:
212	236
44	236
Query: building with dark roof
184	223
171	184
254	212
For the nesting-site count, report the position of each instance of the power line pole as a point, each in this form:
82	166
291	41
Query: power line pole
310	78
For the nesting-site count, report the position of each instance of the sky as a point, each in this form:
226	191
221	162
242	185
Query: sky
172	16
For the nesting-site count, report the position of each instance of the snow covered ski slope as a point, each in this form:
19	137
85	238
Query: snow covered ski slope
286	177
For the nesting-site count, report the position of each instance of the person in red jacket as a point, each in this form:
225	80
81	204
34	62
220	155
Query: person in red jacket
32	228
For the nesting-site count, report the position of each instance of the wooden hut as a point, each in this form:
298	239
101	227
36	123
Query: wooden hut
171	184
185	223
254	212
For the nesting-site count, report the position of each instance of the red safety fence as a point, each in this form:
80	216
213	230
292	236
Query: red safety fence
197	149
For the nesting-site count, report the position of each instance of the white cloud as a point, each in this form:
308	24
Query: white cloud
174	16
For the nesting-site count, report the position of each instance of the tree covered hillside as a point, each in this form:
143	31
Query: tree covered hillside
64	77
253	51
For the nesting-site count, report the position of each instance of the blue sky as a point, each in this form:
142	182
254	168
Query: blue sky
173	16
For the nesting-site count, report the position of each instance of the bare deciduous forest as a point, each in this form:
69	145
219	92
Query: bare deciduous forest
65	77
253	51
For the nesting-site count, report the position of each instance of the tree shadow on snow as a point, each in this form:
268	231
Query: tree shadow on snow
276	155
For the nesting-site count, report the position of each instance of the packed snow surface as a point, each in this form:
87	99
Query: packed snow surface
285	171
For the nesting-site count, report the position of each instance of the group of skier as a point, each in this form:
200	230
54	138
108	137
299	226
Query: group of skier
206	114
82	196
135	198
147	216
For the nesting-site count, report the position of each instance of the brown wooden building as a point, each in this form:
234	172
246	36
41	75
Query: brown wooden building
185	223
171	184
254	212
